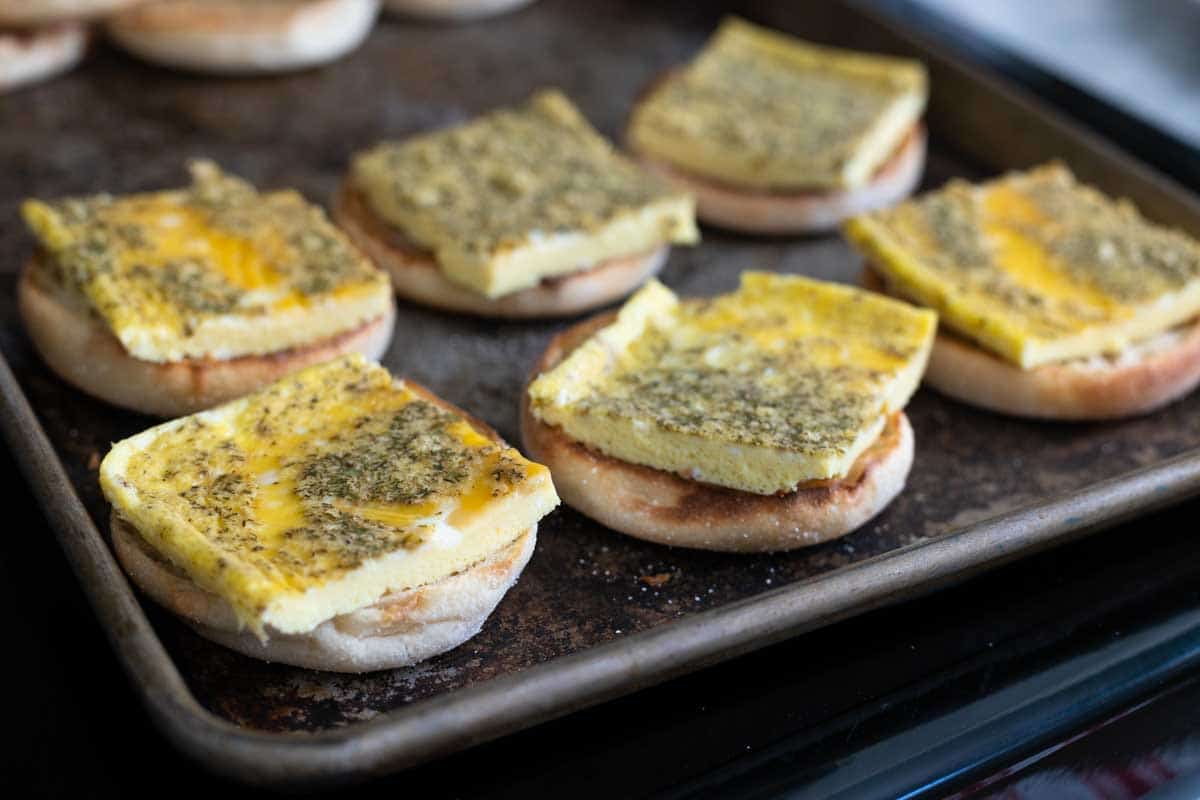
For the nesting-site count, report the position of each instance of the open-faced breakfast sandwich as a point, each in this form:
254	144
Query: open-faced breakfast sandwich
243	36
775	135
1056	301
338	519
769	418
169	302
523	212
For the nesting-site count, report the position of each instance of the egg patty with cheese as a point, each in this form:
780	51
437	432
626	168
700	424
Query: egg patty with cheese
168	302
517	197
216	270
323	493
763	110
1035	267
785	381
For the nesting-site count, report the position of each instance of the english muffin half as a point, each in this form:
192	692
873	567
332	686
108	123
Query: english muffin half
243	36
41	13
454	10
33	55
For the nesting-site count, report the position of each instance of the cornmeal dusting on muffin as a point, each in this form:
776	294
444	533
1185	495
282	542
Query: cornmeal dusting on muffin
215	270
761	109
1035	266
784	381
520	195
318	479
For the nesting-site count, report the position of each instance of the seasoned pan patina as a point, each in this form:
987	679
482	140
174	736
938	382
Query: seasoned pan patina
118	126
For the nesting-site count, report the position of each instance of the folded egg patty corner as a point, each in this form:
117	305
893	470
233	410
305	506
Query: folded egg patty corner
216	270
761	109
1034	266
520	195
784	381
320	493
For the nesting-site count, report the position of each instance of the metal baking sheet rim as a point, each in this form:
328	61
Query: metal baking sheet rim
460	719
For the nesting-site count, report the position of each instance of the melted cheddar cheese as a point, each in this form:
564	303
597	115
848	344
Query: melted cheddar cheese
217	270
1034	266
784	381
520	195
319	494
760	109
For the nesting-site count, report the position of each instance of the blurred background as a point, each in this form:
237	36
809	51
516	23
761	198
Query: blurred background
1143	55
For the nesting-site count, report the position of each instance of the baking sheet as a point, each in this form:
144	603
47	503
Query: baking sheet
595	613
